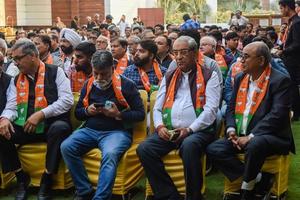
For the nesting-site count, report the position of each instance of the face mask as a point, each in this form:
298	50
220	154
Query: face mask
103	84
67	50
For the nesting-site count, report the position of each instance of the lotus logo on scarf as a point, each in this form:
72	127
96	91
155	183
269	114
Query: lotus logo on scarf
22	94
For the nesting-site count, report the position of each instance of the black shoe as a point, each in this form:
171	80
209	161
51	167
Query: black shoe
88	196
264	186
22	188
232	196
247	195
45	187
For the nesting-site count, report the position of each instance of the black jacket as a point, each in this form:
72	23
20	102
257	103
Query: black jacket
272	117
291	51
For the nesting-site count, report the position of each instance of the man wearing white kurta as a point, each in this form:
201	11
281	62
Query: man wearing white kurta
187	102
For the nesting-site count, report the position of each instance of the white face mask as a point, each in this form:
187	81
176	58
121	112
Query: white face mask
103	84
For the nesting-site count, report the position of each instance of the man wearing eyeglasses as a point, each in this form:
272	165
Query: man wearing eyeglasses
257	123
42	103
187	104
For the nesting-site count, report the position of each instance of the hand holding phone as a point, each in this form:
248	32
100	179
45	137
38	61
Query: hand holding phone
99	105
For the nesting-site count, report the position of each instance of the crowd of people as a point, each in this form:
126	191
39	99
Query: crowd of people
247	76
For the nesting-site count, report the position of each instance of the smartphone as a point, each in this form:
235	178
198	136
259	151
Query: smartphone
173	135
99	105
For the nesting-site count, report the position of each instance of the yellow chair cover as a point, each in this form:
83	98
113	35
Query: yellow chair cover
277	164
33	156
172	161
5	178
129	169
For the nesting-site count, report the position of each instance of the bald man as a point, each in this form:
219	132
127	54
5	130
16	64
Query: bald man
257	122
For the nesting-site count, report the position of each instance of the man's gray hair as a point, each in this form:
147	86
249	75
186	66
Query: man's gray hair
135	39
263	50
3	45
102	59
27	47
211	40
191	42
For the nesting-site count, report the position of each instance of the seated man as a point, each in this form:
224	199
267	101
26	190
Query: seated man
187	103
164	48
257	121
109	104
81	69
232	42
236	68
146	72
118	50
8	66
43	44
208	46
44	98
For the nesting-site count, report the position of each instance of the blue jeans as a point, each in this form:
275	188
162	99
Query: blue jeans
112	144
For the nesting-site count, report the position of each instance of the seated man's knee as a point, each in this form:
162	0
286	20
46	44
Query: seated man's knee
142	150
216	149
66	147
190	146
111	156
255	146
59	129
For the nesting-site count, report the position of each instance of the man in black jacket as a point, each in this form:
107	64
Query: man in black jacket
290	52
257	120
109	104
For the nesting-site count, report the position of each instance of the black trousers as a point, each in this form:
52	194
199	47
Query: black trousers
190	150
224	155
295	87
54	136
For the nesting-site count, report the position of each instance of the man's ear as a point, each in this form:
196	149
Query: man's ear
262	61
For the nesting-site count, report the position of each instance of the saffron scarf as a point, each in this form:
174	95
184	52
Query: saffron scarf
40	101
117	87
258	96
122	64
77	80
236	68
222	64
145	79
170	94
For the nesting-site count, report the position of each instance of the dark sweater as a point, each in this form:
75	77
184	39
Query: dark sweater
103	123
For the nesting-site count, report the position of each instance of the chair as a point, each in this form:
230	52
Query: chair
5	178
278	165
172	161
130	169
33	156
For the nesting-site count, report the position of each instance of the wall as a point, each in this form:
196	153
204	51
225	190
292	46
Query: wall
128	7
33	12
66	9
2	13
10	12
